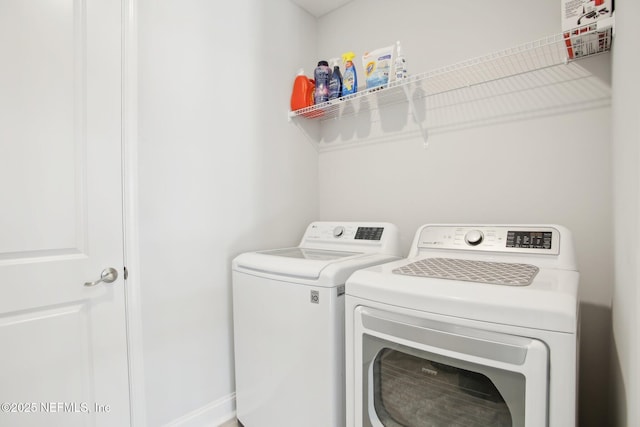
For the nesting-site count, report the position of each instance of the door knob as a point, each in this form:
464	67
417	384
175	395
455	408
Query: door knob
108	275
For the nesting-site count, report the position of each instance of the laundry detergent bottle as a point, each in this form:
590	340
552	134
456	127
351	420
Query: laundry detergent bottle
322	76
349	78
302	93
335	84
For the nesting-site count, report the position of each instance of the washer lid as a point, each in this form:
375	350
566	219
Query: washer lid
314	254
294	262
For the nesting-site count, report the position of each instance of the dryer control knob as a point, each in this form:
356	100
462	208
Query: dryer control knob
474	237
338	231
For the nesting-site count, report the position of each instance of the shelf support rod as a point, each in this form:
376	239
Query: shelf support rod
414	113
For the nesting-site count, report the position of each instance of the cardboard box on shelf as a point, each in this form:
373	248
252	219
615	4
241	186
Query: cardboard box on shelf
582	26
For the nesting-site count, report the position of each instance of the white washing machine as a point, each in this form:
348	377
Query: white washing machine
478	327
288	318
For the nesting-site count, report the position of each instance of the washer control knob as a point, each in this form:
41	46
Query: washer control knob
474	237
338	231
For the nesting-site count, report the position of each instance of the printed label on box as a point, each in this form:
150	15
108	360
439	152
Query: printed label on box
580	44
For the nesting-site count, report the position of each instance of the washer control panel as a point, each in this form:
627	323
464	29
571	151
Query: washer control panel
363	237
345	232
498	238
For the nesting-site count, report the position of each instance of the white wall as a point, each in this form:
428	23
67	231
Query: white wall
545	169
221	171
626	162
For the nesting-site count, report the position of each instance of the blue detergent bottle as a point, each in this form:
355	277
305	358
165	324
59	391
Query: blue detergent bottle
349	78
335	84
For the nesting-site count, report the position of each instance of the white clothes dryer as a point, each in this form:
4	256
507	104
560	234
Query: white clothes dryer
478	327
288	318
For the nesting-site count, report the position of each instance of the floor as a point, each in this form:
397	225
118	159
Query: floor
231	423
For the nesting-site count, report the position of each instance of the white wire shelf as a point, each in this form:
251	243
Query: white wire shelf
537	55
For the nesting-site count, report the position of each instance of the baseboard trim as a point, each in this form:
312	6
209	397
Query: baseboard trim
213	414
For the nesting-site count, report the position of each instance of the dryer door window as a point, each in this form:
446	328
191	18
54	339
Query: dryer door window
433	372
410	390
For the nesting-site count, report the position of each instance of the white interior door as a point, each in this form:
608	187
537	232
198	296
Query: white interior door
63	359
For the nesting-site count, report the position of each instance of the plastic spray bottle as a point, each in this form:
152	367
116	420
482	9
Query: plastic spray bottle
400	64
335	84
349	78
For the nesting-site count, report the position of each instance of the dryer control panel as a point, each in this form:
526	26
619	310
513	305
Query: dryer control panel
494	238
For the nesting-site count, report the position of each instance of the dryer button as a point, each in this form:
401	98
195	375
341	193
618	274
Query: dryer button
338	231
